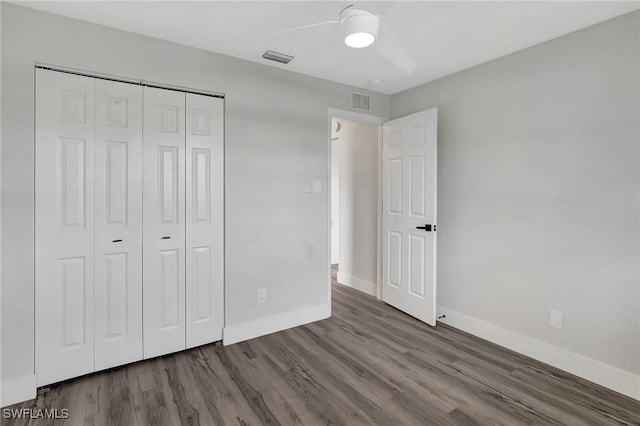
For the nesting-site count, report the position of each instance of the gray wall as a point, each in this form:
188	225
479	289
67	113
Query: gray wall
276	143
538	190
358	209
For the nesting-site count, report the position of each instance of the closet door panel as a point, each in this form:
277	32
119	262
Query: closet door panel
64	215
204	219
164	221
118	223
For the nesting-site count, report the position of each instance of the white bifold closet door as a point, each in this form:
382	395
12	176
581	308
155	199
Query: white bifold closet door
205	238
64	226
164	225
183	220
87	225
128	223
118	223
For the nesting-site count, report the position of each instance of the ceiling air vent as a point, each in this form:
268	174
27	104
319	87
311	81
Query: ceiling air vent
360	102
278	57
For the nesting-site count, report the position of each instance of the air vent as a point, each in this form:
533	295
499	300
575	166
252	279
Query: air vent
360	102
278	57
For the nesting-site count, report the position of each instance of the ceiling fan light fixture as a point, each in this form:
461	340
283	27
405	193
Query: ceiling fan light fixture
359	40
360	27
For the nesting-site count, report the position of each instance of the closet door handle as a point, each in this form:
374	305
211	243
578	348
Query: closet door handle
426	227
166	238
116	241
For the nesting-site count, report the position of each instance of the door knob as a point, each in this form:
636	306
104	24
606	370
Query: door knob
116	241
426	227
166	238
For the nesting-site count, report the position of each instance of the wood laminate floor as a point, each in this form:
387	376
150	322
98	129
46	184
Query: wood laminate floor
367	364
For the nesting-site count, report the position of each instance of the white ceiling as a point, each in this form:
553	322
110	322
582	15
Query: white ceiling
443	37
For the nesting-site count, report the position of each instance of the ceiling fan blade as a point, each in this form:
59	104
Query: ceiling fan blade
392	49
290	30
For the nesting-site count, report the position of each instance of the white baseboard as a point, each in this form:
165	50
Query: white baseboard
251	329
595	371
357	283
18	389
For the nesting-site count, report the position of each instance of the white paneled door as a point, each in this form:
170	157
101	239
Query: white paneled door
164	221
118	223
409	214
64	226
204	218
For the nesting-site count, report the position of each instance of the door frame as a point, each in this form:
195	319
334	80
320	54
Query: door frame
363	118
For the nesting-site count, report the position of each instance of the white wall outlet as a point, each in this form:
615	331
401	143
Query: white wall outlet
317	186
555	319
307	188
262	295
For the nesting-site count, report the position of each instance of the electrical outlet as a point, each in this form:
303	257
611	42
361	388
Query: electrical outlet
555	319
317	186
262	295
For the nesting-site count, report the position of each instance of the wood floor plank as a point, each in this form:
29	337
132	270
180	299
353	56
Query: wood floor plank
369	364
119	398
268	372
184	396
347	377
249	393
322	400
152	408
141	377
223	394
94	398
401	379
285	413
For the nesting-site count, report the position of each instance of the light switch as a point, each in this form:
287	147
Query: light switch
307	188
317	186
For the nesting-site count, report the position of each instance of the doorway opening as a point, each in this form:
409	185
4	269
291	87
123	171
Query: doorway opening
355	201
362	235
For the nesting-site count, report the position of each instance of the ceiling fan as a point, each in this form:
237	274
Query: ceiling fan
361	29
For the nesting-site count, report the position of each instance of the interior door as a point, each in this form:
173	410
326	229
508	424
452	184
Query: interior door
118	223
205	227
164	221
409	214
64	218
